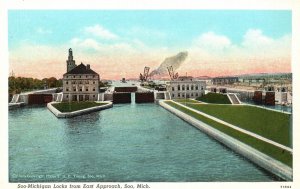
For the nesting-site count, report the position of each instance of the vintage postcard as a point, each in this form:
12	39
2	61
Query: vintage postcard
150	98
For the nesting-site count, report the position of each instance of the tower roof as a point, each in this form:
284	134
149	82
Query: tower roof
81	69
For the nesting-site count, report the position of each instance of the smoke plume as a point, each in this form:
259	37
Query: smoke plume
174	61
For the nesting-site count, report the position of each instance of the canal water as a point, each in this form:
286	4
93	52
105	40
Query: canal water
129	142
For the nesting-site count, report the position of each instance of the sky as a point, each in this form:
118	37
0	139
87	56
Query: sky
120	43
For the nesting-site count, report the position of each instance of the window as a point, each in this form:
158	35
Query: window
93	82
172	88
192	94
80	82
178	95
67	89
196	87
74	89
196	94
86	76
192	87
94	96
93	76
80	89
94	89
73	76
178	87
67	82
201	87
67	96
182	94
86	89
187	87
173	95
183	88
80	76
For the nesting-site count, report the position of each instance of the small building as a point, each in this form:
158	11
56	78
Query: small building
80	83
186	87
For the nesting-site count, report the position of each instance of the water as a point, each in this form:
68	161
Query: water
275	107
129	142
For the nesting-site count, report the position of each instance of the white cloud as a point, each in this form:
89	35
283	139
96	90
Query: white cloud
86	43
100	32
255	42
212	41
256	52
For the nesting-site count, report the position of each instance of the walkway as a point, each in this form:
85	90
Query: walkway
238	129
233	99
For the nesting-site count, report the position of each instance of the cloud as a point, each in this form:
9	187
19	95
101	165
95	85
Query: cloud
100	32
215	54
258	44
41	30
212	41
209	54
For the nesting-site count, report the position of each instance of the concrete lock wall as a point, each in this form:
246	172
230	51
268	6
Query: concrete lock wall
126	89
160	95
121	98
39	98
144	97
108	97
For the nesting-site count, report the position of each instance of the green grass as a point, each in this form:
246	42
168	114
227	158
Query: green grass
74	106
269	124
214	98
266	148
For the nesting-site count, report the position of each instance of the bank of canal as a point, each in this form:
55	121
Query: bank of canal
129	142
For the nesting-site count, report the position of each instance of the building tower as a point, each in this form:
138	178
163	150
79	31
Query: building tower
70	62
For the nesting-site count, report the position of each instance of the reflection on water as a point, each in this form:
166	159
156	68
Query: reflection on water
129	142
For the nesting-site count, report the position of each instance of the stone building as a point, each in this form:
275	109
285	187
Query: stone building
80	83
186	87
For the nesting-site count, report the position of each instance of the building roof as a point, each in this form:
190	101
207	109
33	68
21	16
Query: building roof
81	69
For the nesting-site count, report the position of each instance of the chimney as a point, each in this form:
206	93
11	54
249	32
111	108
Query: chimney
88	67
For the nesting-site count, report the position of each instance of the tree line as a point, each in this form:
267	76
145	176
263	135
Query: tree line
16	85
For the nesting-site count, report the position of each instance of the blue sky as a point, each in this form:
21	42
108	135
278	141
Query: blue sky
136	38
179	26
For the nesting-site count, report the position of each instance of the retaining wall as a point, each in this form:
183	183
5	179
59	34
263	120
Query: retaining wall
264	161
59	114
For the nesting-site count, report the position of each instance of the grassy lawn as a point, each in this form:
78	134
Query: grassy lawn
269	124
214	98
273	151
74	106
